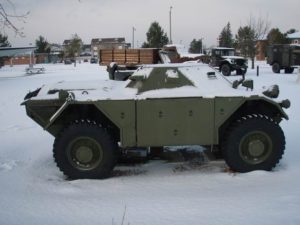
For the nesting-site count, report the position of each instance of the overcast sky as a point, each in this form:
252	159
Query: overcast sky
57	20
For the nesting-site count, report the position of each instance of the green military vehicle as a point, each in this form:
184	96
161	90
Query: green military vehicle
159	105
225	60
283	57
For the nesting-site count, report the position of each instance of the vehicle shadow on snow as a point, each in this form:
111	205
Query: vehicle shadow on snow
182	160
171	162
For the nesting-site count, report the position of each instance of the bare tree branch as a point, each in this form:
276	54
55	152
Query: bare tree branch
7	18
260	26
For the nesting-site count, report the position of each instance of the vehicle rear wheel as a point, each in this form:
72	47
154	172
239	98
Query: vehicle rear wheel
289	70
85	150
225	69
276	68
253	143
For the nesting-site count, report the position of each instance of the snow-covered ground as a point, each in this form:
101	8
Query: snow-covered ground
34	192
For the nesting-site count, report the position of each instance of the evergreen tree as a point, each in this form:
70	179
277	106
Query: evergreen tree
196	46
225	38
245	40
4	41
42	45
156	37
276	37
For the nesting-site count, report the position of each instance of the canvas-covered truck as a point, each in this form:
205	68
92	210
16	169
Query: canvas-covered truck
129	57
160	105
121	63
283	57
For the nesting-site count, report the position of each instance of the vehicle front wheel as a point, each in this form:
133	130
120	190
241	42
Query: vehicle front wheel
225	69
253	143
85	150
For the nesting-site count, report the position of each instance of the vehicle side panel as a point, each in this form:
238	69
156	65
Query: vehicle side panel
181	121
41	110
286	57
224	108
122	114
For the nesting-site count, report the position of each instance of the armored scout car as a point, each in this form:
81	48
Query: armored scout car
178	104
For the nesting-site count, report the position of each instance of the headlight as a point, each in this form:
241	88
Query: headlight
285	104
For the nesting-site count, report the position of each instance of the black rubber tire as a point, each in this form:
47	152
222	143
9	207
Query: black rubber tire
101	147
276	67
225	69
245	135
289	70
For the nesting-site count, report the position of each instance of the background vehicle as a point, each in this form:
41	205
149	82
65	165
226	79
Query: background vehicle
93	60
225	61
160	105
285	57
67	61
121	63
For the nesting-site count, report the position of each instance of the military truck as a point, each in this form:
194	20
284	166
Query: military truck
225	60
121	63
159	105
283	57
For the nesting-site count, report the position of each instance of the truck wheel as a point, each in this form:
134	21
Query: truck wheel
276	68
226	70
289	70
85	150
253	143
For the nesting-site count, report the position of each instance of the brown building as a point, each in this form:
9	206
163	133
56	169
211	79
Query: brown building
19	60
262	44
261	50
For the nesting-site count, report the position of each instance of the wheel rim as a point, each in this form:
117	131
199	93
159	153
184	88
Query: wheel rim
255	147
84	153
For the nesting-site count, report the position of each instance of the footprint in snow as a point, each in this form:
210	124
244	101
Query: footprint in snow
15	128
8	165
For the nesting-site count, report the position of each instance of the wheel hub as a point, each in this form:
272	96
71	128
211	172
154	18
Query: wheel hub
84	154
256	148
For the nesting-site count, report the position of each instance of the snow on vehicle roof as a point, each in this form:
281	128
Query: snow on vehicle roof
204	82
207	83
